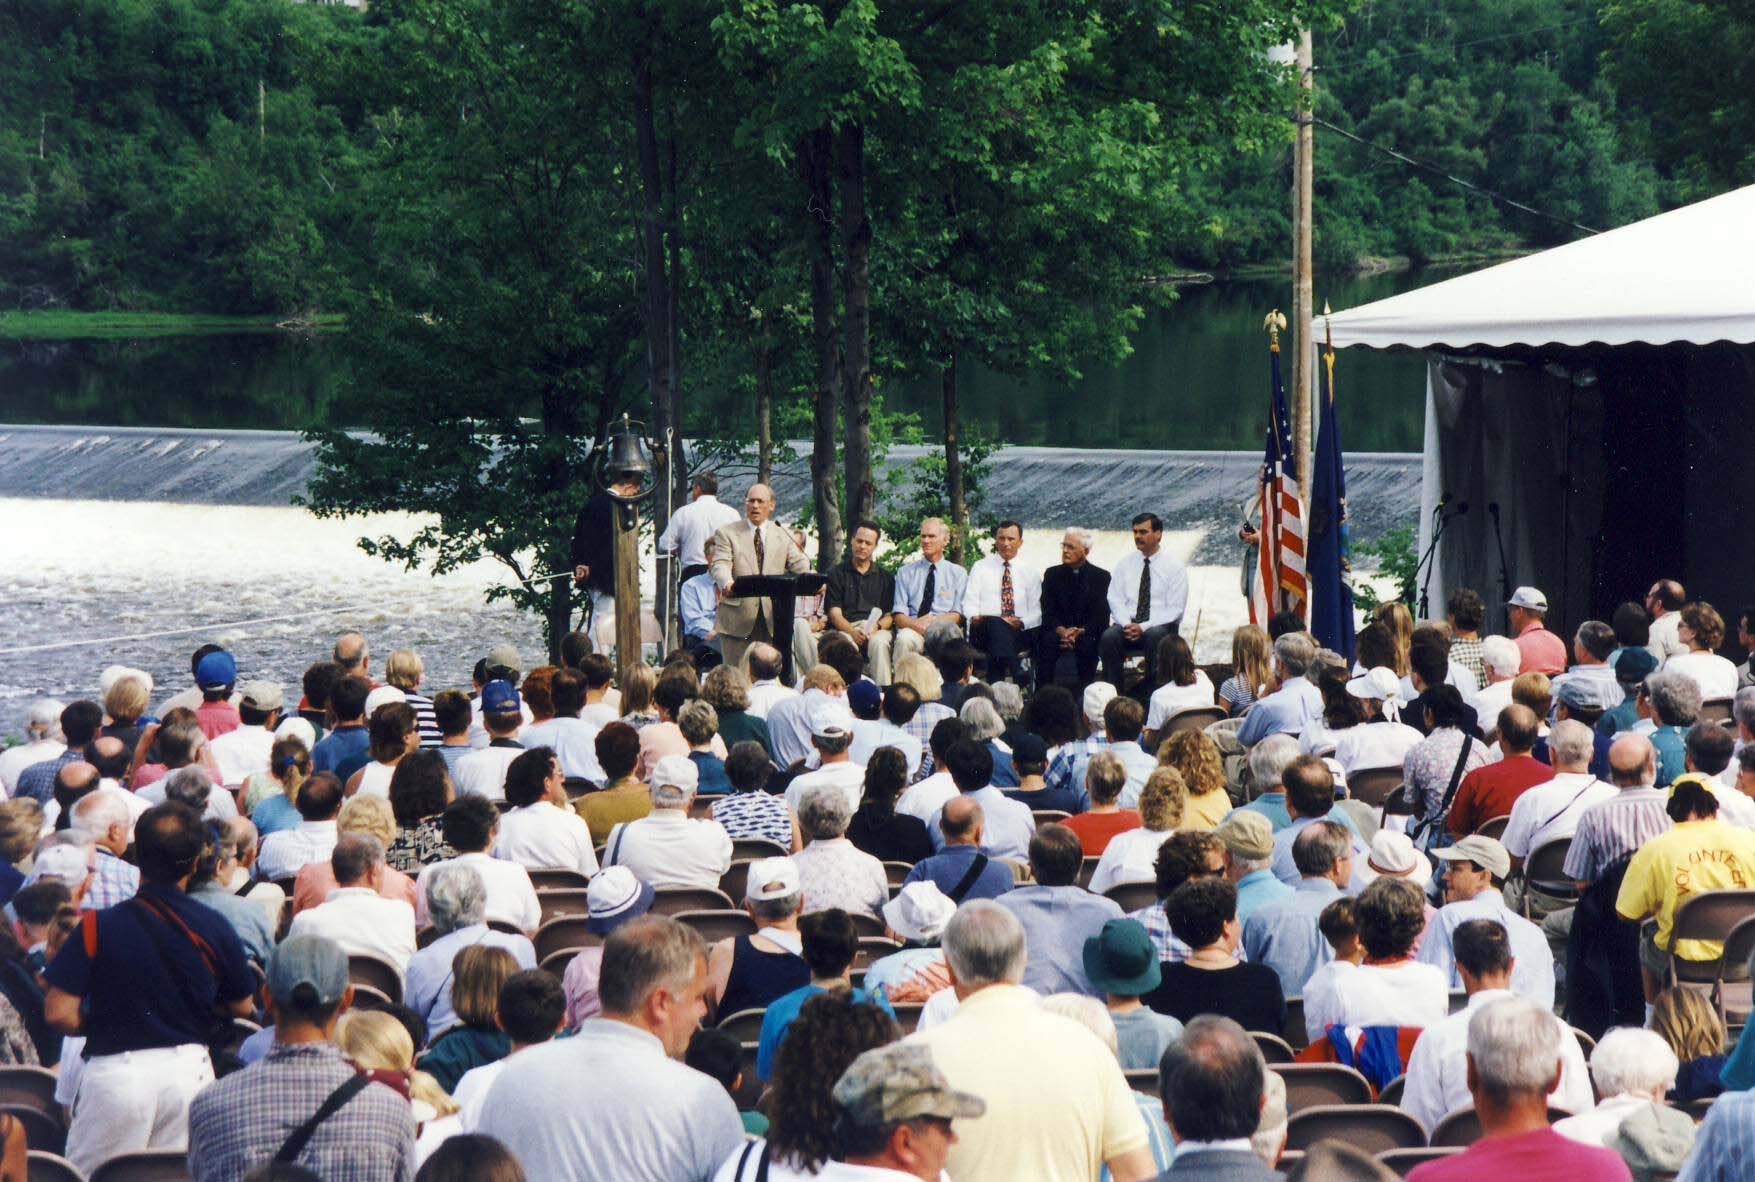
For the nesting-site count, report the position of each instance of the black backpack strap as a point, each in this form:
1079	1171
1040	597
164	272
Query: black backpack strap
967	883
301	1136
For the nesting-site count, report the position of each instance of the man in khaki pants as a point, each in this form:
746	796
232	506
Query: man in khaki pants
753	546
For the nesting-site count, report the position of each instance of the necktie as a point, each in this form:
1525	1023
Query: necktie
1143	609
928	591
761	553
1008	603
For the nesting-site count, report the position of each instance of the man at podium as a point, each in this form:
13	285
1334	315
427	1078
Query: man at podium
752	546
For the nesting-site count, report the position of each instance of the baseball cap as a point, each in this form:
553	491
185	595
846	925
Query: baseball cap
498	697
1589	693
1097	695
261	695
1528	597
1393	855
614	897
899	1082
676	771
1120	959
1248	835
1634	665
504	656
772	878
919	912
864	697
1483	851
307	970
829	719
216	670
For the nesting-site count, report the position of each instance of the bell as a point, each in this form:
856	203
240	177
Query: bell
628	458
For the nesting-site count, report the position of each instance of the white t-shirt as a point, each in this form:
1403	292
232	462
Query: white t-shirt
483	772
1169	700
1716	676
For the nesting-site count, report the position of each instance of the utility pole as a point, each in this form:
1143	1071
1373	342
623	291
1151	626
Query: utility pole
1303	300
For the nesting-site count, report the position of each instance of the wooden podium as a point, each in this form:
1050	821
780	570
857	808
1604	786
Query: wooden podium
783	591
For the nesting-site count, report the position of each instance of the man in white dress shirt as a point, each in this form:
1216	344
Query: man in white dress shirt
1003	602
470	826
287	852
667	847
1438	1068
1148	590
692	526
541	831
242	753
355	915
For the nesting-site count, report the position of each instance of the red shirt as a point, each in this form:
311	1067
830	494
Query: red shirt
1095	830
1542	651
1490	791
1540	1156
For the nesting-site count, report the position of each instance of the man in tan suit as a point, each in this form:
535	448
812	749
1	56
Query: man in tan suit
753	546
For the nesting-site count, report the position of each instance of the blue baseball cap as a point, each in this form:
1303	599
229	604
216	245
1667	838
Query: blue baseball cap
216	671
500	697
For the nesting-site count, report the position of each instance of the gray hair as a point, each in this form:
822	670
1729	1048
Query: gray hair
1571	743
189	785
1008	699
456	896
96	813
982	720
984	945
1630	1059
1675	697
354	857
1081	535
1268	760
1743	708
670	796
1294	651
1501	655
43	719
824	812
1515	1046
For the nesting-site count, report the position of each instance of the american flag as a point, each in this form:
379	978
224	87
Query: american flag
1279	584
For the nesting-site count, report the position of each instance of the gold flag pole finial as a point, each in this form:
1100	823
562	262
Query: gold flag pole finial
1274	323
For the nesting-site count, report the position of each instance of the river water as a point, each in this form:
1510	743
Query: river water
152	492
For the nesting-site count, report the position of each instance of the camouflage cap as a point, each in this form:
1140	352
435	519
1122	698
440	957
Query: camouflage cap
899	1082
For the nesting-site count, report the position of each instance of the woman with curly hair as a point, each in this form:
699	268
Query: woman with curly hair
1130	856
829	1033
1390	988
1196	757
420	791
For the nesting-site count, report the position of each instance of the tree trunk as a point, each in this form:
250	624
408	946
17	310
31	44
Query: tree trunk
856	288
821	238
954	461
765	406
659	365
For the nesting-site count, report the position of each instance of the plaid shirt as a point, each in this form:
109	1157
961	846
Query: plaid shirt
114	881
920	726
238	1123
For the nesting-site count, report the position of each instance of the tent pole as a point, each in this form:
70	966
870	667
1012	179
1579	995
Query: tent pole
1303	356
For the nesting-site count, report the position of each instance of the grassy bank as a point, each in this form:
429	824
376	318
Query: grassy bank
61	325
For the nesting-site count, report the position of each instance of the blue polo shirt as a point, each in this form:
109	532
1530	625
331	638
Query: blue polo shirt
148	986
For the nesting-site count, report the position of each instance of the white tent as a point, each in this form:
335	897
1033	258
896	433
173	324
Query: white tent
1600	396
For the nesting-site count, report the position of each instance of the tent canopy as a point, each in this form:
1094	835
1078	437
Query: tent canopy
1687	276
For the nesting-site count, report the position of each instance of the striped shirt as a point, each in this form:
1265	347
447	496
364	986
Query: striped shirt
1724	1150
1614	829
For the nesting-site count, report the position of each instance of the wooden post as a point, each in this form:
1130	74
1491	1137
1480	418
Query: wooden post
1303	299
627	591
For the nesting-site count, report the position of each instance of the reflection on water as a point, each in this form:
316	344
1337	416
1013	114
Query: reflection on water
1197	380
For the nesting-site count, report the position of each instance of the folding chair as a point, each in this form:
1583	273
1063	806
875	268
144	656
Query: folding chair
1310	1085
1373	1128
670	900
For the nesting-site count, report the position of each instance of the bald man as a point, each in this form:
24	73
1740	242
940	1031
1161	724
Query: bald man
754	545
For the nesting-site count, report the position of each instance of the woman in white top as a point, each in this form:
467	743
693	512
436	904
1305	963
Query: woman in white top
1703	630
1186	687
1390	988
394	732
1377	738
1132	855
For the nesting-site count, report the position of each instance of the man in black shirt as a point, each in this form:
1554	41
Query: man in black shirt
856	588
1075	610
